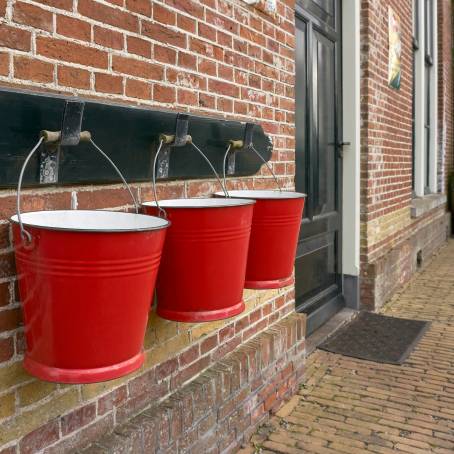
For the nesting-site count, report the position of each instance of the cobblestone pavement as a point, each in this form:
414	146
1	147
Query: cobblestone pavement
352	406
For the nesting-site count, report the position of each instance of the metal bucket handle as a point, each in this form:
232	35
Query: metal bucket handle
168	140
238	144
51	136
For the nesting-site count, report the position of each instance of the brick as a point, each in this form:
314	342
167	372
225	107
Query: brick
188	356
190	7
70	52
83	437
59	4
164	94
166	368
164	54
139	46
139	6
223	88
15	38
108	38
4	71
10	319
187	97
186	23
138	89
187	60
112	400
106	83
163	34
35	391
40	438
209	344
7	405
137	68
34	16
6	349
69	76
5	295
73	28
78	418
32	69
163	15
108	15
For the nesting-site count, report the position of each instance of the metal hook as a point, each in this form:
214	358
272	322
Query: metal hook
243	145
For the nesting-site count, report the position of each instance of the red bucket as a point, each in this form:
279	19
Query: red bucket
86	279
203	266
274	236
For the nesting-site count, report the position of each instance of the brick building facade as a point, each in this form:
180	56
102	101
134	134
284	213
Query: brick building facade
220	58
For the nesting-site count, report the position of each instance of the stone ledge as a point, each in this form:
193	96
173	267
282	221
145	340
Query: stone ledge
422	205
219	410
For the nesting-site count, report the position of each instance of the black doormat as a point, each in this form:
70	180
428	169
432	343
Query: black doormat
377	338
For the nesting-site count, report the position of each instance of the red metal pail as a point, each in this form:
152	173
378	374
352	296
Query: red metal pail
274	236
86	279
203	266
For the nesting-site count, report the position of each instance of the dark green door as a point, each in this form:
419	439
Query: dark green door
318	158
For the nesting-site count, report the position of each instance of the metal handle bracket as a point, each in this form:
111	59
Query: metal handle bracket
179	139
239	145
69	135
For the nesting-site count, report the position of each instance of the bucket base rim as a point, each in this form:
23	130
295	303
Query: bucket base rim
83	376
274	283
201	316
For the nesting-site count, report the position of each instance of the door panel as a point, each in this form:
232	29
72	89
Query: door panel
318	163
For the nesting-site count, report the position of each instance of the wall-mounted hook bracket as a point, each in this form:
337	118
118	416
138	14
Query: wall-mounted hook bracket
239	145
179	139
69	135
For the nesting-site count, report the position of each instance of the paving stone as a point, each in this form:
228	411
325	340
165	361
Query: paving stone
346	405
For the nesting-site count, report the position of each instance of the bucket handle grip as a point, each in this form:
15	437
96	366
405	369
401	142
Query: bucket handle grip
166	140
53	137
244	145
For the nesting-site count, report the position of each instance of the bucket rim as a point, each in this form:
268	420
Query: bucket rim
211	202
109	221
263	194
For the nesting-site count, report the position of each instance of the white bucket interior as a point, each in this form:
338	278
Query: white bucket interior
201	203
91	221
262	194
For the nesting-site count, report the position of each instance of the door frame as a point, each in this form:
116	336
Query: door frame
351	190
347	130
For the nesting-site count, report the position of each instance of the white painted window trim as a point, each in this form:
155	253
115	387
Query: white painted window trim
420	108
351	133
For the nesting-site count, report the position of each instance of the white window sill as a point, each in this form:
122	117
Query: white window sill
422	205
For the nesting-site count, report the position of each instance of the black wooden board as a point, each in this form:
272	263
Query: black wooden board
129	135
377	338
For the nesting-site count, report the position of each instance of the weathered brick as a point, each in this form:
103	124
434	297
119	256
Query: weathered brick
108	15
27	14
78	418
70	52
108	38
137	68
137	89
73	28
40	438
106	83
69	76
32	69
163	34
15	38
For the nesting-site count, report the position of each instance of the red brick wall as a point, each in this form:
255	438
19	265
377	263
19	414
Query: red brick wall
445	93
386	123
218	57
390	237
